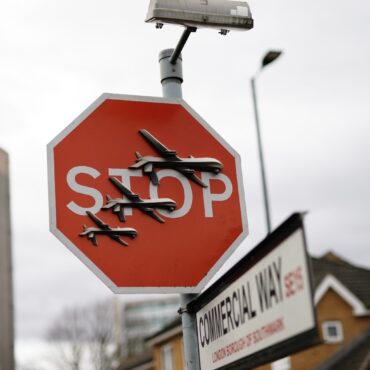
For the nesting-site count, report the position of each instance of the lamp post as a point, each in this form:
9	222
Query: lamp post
268	58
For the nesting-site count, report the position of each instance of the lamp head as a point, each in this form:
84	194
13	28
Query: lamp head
270	57
220	14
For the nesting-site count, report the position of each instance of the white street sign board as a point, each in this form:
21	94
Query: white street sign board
257	310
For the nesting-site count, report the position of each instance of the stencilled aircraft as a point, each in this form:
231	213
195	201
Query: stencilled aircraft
169	159
133	200
104	229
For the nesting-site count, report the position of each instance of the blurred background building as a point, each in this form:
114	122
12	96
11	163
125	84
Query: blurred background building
6	291
143	318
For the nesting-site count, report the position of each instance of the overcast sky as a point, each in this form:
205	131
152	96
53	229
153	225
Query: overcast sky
57	57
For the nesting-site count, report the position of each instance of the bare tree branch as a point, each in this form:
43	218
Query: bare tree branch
100	334
68	334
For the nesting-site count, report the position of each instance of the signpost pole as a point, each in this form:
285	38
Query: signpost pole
171	80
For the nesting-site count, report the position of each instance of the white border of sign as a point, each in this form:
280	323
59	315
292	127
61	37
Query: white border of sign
262	309
104	278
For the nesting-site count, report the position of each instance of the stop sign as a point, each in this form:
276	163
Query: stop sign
146	194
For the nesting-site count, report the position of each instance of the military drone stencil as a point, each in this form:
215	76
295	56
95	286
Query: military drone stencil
104	229
169	159
147	206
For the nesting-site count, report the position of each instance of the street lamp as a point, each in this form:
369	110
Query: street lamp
268	58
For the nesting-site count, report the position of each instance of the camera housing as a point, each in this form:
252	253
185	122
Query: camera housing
224	15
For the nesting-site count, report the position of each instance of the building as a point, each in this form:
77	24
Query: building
143	361
143	318
6	286
354	355
342	299
168	347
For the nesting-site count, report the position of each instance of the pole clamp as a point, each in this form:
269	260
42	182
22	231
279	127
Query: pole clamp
182	310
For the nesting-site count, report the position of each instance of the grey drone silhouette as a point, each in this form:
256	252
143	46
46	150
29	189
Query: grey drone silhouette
146	206
169	159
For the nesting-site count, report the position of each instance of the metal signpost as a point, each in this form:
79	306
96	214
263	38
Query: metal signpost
171	76
218	14
262	309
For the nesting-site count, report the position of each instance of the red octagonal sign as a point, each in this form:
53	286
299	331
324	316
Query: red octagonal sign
146	194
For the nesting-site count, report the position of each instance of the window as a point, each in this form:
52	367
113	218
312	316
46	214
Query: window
282	364
166	357
332	331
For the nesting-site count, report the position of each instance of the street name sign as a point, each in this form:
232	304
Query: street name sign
262	309
146	194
